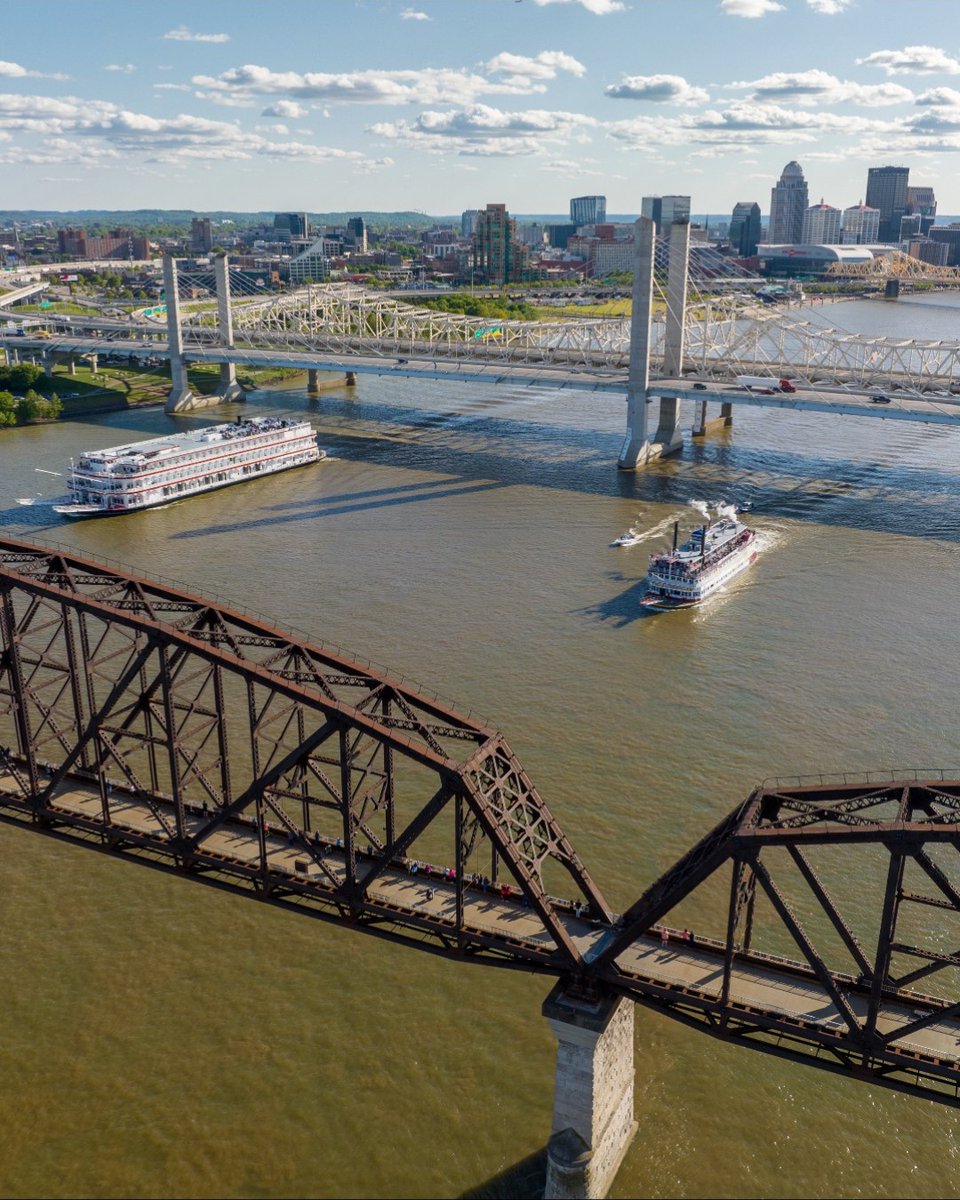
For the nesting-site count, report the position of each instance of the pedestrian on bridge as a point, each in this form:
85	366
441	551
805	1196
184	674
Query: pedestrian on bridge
664	937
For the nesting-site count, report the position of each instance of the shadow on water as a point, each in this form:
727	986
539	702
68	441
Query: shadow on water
525	1180
336	505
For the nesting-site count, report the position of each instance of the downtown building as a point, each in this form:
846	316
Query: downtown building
788	204
821	225
498	255
860	225
743	232
588	210
887	191
663	211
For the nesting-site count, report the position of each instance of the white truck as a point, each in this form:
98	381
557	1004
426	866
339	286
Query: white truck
749	382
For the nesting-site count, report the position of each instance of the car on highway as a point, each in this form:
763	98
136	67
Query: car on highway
699	387
879	399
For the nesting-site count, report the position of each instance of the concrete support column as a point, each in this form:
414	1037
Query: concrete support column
46	361
313	382
72	366
181	398
636	446
668	436
228	389
726	413
593	1123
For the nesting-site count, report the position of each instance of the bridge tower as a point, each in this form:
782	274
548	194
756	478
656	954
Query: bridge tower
181	399
638	448
229	389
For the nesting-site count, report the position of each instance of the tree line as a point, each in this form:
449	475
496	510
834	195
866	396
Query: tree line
20	402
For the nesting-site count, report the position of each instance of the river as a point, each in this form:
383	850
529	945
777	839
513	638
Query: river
161	1038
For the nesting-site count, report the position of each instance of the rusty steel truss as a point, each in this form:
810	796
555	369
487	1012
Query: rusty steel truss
892	852
159	725
157	722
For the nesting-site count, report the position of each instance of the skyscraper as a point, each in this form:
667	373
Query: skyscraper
201	235
287	226
588	210
821	225
922	203
860	225
497	254
664	210
788	203
744	231
887	191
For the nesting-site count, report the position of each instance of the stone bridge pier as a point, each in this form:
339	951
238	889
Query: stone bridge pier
593	1122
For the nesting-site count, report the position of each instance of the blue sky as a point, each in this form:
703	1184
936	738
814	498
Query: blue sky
442	105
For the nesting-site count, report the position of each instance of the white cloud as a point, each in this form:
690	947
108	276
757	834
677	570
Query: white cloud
183	34
545	66
913	60
431	85
599	8
411	14
14	71
829	8
816	86
751	9
659	89
122	68
940	96
482	130
288	110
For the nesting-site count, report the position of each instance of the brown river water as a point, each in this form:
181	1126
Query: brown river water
162	1038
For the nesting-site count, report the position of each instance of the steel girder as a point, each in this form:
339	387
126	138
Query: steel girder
156	720
889	853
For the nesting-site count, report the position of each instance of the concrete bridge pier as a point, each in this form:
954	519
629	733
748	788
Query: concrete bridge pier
326	381
593	1122
703	425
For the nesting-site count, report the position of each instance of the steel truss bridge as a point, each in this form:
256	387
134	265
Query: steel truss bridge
163	728
725	337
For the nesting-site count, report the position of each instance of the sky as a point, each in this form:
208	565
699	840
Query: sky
438	106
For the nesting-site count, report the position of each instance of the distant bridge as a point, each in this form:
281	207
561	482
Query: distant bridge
161	727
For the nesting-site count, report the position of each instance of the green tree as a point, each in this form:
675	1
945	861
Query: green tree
8	409
23	376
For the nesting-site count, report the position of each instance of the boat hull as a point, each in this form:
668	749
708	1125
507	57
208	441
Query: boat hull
660	599
80	512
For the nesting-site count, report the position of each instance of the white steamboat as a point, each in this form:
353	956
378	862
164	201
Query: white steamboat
160	470
712	556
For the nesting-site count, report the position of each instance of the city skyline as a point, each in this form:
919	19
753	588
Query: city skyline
442	107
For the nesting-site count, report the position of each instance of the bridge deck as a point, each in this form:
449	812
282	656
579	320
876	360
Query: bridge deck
426	895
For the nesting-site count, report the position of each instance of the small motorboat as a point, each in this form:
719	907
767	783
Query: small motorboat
630	538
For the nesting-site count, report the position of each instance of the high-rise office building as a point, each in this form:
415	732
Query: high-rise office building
949	235
922	203
357	229
498	256
468	222
821	225
788	203
887	191
287	226
588	210
860	225
743	232
201	235
664	210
